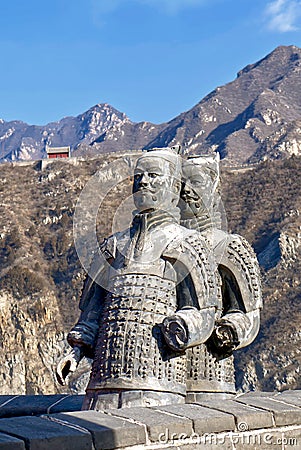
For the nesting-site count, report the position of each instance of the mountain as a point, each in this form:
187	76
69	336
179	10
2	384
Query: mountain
254	117
246	119
20	141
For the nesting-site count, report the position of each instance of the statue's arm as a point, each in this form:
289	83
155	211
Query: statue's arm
241	295
68	365
84	332
188	327
236	330
193	322
82	337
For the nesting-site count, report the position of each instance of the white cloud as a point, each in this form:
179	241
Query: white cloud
283	15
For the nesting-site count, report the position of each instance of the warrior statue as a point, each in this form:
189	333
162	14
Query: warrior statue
154	296
210	365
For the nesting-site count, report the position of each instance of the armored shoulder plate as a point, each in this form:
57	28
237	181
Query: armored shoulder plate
107	250
238	266
195	259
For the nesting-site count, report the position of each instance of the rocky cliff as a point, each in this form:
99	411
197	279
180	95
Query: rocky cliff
263	204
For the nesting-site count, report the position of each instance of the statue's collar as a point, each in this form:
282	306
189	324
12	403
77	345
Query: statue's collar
154	218
203	223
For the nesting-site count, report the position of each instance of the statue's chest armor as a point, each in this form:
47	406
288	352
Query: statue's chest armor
131	351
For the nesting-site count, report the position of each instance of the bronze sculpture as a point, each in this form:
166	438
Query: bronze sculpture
169	303
210	365
160	298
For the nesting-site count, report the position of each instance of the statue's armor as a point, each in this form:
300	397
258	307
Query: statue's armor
207	374
130	350
153	271
207	371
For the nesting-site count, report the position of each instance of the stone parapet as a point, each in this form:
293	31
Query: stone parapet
254	420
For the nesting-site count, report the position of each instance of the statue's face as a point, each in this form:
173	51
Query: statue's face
196	191
153	187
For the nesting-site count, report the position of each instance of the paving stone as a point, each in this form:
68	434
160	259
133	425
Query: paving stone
44	434
284	414
258	394
291	438
7	398
10	443
158	423
27	405
293	392
207	396
69	403
246	417
205	420
266	440
108	432
290	399
257	439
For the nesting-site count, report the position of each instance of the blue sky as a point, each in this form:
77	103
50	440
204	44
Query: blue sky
151	59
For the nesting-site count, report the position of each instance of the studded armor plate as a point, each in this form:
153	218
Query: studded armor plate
206	374
130	350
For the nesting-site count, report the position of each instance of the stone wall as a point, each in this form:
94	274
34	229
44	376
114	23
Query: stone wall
249	421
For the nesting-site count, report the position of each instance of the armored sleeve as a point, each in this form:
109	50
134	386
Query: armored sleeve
84	333
197	293
241	292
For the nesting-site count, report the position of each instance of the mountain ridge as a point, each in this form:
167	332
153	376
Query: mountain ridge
239	120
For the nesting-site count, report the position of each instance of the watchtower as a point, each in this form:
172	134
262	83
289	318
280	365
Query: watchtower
57	152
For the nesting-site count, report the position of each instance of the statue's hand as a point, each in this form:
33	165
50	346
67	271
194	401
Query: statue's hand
175	332
224	335
68	365
224	339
